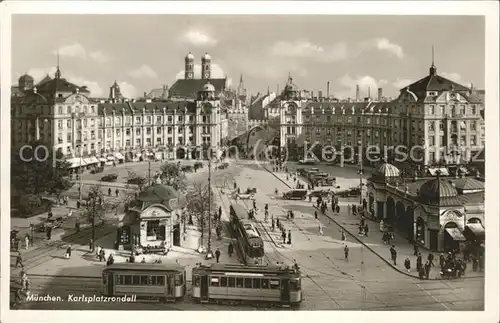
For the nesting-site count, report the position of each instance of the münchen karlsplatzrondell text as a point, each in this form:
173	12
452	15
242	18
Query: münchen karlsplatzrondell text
81	298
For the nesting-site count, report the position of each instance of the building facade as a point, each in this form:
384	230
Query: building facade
438	117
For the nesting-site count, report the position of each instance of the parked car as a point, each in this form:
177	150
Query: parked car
307	161
295	195
187	169
351	192
322	193
109	178
223	165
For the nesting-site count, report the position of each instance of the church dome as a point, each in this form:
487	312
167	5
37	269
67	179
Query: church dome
437	188
206	57
189	57
208	87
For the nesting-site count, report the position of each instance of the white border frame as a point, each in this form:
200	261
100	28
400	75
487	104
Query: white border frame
489	9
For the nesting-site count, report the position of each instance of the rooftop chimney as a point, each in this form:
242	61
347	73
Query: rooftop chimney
320	95
145	95
357	92
328	89
380	94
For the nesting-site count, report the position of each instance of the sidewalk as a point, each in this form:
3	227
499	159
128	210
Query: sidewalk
374	242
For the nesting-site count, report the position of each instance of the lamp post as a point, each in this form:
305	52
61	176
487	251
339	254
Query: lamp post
209	243
360	171
81	174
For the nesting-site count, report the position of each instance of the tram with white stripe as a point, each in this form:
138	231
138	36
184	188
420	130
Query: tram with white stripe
248	237
257	285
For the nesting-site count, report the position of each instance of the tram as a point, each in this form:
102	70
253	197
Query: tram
163	282
258	285
249	240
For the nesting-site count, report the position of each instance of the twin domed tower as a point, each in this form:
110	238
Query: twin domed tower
206	61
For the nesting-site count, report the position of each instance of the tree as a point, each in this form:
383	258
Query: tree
172	174
35	171
200	200
140	181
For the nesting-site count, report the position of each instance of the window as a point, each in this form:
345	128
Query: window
69	110
473	126
158	130
144	280
256	283
223	282
441	109
118	120
473	109
197	281
169	130
148	131
368	120
452	111
180	119
441	126
127	131
135	280
180	129
295	284
158	119
248	282
431	125
137	120
473	141
138	131
349	119
441	140
127	280
431	109
153	228
179	280
231	282
239	282
169	119
432	141
274	283
265	283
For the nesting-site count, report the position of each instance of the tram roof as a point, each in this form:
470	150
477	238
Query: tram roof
240	210
269	269
137	266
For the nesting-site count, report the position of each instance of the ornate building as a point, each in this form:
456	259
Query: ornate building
434	212
438	115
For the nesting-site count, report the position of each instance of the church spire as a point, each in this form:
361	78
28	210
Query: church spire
432	69
58	71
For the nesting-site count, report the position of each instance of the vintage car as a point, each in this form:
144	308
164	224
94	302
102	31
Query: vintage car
299	194
318	193
351	192
109	178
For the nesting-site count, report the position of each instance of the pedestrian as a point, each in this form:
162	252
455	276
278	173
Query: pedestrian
110	261
220	212
109	191
393	254
415	250
50	214
102	255
320	229
272	224
421	273
349	209
230	249
316	215
289	237
337	209
49	233
117	192
366	230
143	261
77	225
430	258
278	223
441	261
70	213
217	254
90	244
27	241
343	236
419	261
427	269
19	260
78	204
407	264
68	252
346	252
283	235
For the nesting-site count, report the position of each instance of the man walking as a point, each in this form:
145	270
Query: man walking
19	259
109	191
393	254
346	252
419	262
427	269
407	264
289	237
283	235
217	255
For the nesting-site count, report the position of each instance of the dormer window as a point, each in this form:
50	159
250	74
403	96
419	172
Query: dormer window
431	93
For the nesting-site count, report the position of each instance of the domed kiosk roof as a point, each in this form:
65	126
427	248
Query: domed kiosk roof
385	172
439	192
162	194
208	87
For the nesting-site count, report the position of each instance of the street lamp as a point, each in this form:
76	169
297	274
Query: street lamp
210	254
360	156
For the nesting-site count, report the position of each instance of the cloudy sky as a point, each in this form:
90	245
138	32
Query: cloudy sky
143	52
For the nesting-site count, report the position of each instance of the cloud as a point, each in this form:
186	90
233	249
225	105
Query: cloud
306	49
127	90
216	72
199	38
77	50
99	56
39	73
143	71
365	82
385	45
92	86
401	83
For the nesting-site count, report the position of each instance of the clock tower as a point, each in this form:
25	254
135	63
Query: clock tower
206	61
189	67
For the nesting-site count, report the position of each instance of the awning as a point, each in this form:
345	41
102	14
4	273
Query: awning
119	156
455	234
110	158
138	155
76	162
444	171
476	228
91	160
102	159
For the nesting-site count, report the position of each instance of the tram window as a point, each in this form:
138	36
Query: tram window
295	284
144	280
104	275
275	283
160	280
150	280
214	281
256	283
136	280
197	281
231	282
223	282
248	282
239	282
128	280
178	280
265	283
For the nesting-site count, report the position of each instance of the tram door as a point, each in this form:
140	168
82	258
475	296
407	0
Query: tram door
170	285
285	290
111	284
204	288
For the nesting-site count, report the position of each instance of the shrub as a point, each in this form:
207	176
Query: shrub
29	203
